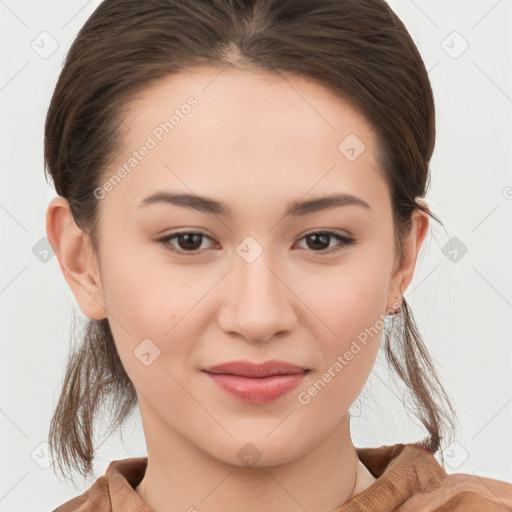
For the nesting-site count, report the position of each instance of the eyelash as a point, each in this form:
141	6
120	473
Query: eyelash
345	242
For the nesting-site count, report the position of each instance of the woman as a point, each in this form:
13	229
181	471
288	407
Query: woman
239	215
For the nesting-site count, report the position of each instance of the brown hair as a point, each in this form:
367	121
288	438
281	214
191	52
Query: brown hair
358	48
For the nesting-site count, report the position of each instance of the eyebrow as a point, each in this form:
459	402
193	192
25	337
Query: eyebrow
295	209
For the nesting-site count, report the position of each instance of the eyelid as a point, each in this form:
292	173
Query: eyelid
343	241
340	232
164	242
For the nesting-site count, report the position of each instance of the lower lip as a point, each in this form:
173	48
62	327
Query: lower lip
258	390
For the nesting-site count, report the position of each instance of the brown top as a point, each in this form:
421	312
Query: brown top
408	479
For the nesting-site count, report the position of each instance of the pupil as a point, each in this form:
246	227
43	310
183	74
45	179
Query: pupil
187	236
322	236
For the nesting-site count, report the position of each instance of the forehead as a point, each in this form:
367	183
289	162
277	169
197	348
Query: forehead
244	135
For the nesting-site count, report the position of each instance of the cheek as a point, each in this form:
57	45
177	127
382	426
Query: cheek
350	306
160	302
351	297
149	307
347	358
146	295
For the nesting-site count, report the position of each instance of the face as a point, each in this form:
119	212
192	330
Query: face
251	281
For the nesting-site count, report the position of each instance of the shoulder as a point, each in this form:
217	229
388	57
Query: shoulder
464	492
116	485
411	479
97	495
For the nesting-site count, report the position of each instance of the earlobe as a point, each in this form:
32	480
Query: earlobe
74	254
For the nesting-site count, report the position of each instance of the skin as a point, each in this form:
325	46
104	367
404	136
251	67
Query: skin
256	142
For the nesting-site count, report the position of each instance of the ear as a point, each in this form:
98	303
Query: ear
404	271
76	259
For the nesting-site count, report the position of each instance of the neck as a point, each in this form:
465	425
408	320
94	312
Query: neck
180	476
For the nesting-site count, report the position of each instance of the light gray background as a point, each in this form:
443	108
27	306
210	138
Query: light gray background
463	307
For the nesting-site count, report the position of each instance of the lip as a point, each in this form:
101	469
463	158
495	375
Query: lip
257	383
248	369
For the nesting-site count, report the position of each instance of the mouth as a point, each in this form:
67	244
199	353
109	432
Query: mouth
257	383
253	370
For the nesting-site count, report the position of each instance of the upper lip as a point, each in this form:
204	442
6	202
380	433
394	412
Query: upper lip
248	369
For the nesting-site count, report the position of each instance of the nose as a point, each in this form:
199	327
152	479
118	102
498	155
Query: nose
257	304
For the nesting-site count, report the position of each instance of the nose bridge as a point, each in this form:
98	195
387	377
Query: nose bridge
258	308
256	281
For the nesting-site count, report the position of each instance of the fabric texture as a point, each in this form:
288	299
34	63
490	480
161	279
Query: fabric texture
408	479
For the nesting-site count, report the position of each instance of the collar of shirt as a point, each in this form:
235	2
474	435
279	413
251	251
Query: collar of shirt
408	479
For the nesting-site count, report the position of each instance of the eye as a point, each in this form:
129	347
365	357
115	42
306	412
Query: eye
189	242
321	238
